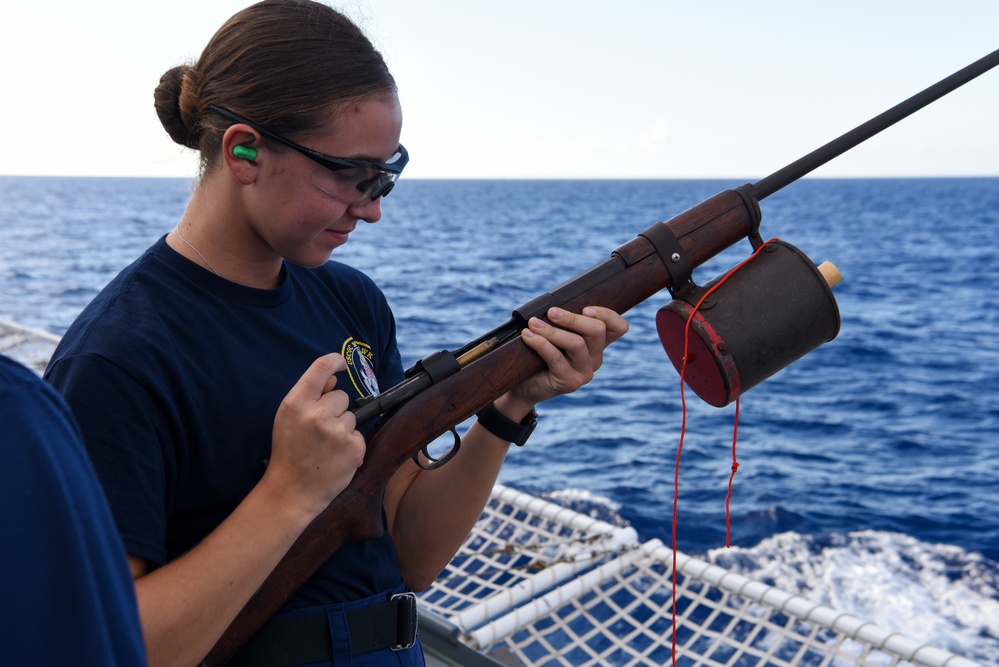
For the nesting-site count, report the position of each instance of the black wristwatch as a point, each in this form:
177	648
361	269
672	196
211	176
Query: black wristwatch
506	429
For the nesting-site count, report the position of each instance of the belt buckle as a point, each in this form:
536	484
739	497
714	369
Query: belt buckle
408	620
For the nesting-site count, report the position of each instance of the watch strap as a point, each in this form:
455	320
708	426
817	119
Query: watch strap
506	429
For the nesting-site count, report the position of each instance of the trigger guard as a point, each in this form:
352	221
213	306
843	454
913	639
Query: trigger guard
437	463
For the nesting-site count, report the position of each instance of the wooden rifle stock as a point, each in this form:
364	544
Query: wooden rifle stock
634	272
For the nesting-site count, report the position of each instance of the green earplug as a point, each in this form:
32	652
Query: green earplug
245	153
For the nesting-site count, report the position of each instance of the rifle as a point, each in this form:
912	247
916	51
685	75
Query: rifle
447	388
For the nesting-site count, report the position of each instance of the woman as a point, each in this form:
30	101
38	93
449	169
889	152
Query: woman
186	371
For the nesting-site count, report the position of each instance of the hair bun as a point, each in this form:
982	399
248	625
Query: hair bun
174	107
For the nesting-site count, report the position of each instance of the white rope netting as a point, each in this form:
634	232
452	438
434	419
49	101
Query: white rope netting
554	587
31	347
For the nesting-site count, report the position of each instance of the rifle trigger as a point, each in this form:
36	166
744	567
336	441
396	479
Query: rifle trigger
434	464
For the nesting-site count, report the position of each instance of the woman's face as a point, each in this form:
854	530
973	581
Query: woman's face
300	221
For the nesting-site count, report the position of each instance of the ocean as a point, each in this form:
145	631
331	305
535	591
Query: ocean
868	476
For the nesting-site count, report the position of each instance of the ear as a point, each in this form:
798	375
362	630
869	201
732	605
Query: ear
243	170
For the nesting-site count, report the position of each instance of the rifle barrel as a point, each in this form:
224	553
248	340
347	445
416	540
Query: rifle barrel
836	147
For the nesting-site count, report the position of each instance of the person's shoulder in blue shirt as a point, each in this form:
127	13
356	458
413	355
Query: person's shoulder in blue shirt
67	596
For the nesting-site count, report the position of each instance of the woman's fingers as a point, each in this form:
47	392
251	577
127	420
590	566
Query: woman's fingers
315	446
572	345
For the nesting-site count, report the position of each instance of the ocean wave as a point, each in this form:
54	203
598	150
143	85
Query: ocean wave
932	592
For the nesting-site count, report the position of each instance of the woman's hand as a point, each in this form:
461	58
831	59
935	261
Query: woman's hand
315	448
572	346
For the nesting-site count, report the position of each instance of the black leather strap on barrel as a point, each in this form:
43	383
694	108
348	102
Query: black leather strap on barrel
673	256
748	194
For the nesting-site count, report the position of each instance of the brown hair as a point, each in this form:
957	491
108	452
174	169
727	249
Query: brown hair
286	64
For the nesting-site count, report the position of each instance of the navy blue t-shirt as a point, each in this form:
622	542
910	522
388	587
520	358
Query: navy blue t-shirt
67	595
175	376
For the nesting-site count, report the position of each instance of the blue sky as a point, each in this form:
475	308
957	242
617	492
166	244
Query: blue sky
624	89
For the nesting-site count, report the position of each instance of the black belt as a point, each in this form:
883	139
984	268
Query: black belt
300	640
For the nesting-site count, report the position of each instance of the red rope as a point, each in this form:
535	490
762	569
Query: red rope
735	468
683	433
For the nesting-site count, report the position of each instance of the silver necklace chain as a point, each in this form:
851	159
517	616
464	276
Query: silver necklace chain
188	244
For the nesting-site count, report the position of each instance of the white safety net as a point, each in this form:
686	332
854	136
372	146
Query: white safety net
555	587
31	347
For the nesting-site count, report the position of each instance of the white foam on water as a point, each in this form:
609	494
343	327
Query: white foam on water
935	593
